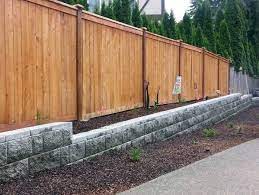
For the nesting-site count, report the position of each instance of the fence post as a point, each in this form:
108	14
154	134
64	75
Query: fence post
229	77
144	53
79	61
179	66
218	56
203	72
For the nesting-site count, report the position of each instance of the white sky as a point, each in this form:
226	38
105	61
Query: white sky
178	6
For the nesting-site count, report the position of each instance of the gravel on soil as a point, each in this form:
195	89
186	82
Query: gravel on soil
95	123
115	172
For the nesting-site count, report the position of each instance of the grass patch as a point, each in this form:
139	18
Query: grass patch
135	154
209	133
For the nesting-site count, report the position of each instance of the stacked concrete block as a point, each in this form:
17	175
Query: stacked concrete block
255	101
30	150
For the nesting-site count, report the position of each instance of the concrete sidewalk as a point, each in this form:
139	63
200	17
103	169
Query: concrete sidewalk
234	171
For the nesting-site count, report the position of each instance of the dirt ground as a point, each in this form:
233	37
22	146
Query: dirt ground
94	123
111	173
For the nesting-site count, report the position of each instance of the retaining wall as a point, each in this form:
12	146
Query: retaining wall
30	150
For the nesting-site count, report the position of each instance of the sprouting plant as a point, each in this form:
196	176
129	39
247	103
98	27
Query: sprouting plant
38	118
182	100
135	154
156	103
194	141
230	125
209	133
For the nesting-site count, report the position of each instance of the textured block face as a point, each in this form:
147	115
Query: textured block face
95	146
138	142
47	160
52	140
37	144
64	155
113	140
19	149
14	170
3	154
77	151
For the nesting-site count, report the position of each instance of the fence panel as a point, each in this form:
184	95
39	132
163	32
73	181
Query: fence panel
223	76
162	67
44	77
112	66
191	71
38	64
211	74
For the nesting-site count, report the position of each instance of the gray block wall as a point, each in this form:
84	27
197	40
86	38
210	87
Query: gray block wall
30	150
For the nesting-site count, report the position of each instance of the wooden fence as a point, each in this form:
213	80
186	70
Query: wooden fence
59	63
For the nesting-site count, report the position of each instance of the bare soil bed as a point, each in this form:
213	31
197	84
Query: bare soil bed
94	123
115	172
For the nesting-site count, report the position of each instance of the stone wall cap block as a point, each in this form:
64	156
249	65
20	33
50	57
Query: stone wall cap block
16	134
121	126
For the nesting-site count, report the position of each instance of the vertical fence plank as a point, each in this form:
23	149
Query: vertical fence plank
144	53
79	61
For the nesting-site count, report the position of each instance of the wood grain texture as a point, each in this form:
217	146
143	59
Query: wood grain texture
39	75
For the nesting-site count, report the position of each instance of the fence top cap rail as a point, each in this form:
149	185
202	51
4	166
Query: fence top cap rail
224	59
166	38
61	3
110	20
188	46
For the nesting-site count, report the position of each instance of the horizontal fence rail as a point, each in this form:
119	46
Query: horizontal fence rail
60	63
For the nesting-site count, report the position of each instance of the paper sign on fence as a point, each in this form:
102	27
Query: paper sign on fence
178	86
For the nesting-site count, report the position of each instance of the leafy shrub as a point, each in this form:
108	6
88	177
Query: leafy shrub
209	132
135	154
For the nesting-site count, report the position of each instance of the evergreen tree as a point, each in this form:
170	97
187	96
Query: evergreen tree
166	25
234	23
110	10
223	40
136	18
195	5
254	61
125	12
145	21
178	32
103	9
198	37
172	25
117	9
207	26
253	16
219	18
187	29
198	16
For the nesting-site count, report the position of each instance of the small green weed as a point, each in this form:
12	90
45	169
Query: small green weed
194	142
135	154
182	100
209	133
38	118
230	125
156	105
